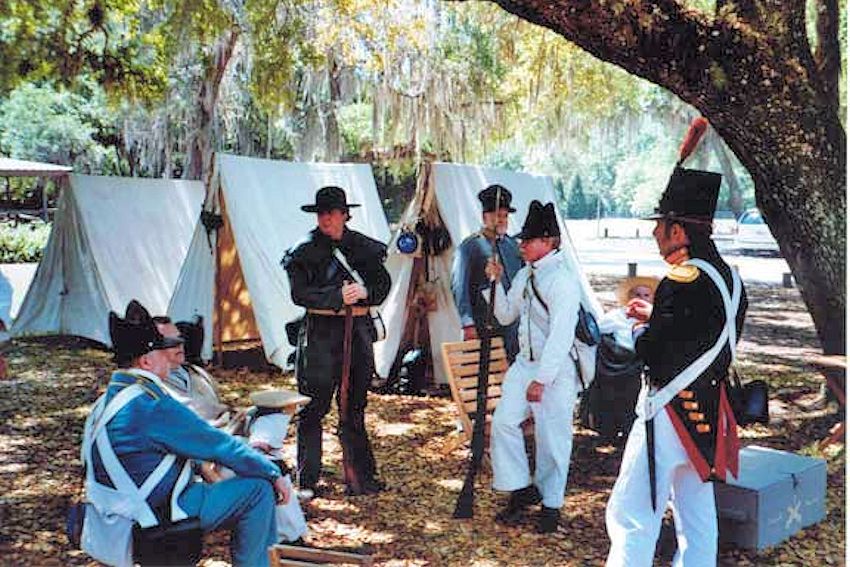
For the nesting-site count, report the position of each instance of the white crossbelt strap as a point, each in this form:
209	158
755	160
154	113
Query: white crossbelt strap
341	259
650	404
136	497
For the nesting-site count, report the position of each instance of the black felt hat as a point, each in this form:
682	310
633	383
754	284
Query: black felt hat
541	222
488	198
691	195
136	334
192	333
329	198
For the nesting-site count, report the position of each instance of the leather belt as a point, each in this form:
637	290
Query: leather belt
356	311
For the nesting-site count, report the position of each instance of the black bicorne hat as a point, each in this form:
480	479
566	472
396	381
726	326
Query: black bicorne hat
192	333
691	194
330	198
488	198
136	334
541	222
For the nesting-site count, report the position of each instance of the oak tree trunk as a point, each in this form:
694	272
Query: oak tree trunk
200	145
750	70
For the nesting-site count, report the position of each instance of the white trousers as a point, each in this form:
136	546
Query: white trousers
632	525
553	433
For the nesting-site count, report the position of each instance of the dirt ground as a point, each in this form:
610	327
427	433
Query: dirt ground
52	383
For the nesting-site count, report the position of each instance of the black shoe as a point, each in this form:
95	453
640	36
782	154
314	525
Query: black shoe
547	521
374	486
517	503
370	486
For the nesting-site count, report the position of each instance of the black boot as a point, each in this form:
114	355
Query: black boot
547	521
517	503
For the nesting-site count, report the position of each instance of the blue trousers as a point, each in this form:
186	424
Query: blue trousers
246	506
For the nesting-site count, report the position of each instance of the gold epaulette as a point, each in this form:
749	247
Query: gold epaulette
683	273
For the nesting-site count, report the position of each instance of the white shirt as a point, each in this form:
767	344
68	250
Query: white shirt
545	336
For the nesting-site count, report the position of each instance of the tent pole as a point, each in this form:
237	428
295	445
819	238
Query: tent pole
218	352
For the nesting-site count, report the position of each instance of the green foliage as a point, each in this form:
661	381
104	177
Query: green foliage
23	242
62	39
58	126
355	124
577	205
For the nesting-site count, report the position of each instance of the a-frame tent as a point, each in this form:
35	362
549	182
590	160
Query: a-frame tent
232	275
447	197
113	239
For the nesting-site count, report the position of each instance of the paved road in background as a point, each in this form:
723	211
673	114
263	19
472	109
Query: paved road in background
611	256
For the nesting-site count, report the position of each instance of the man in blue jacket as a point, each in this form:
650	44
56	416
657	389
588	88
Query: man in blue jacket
468	278
152	426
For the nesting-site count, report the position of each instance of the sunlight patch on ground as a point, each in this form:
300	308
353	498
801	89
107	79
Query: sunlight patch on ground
453	484
351	532
333	505
394	429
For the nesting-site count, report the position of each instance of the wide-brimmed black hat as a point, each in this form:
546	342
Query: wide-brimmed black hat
691	196
541	222
136	334
488	198
192	333
329	198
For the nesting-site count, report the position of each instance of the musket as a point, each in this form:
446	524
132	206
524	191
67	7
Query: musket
466	499
349	473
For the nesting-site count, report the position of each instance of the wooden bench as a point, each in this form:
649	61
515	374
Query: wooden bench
460	361
295	556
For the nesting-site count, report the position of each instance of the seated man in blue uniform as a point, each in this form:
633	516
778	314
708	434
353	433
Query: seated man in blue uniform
468	277
136	428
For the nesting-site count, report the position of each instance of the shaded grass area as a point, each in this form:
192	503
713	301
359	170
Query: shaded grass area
53	382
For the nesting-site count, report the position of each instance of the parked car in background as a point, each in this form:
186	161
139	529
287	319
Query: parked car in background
752	234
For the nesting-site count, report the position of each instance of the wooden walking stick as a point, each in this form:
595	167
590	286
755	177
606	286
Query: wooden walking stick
349	471
466	499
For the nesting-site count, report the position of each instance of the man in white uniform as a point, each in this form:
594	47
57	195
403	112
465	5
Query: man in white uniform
542	381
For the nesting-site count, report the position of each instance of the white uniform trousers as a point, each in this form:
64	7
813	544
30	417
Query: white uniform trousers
553	433
632	525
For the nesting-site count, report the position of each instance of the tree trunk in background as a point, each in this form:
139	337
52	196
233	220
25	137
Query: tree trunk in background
200	145
750	70
167	159
736	199
333	140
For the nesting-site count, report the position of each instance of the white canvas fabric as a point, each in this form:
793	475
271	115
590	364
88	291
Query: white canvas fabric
454	189
114	239
262	200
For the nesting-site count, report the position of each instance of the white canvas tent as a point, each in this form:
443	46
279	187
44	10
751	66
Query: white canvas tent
113	239
447	195
232	276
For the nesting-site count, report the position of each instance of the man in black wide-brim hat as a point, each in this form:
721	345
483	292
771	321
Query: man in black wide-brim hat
336	268
685	434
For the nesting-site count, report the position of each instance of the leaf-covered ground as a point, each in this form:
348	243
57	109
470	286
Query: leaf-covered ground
52	383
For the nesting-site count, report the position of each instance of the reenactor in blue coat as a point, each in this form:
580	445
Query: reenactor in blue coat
138	436
468	277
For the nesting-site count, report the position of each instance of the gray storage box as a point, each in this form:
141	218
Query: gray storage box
775	495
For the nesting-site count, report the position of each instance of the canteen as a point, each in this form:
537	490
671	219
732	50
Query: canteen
407	242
